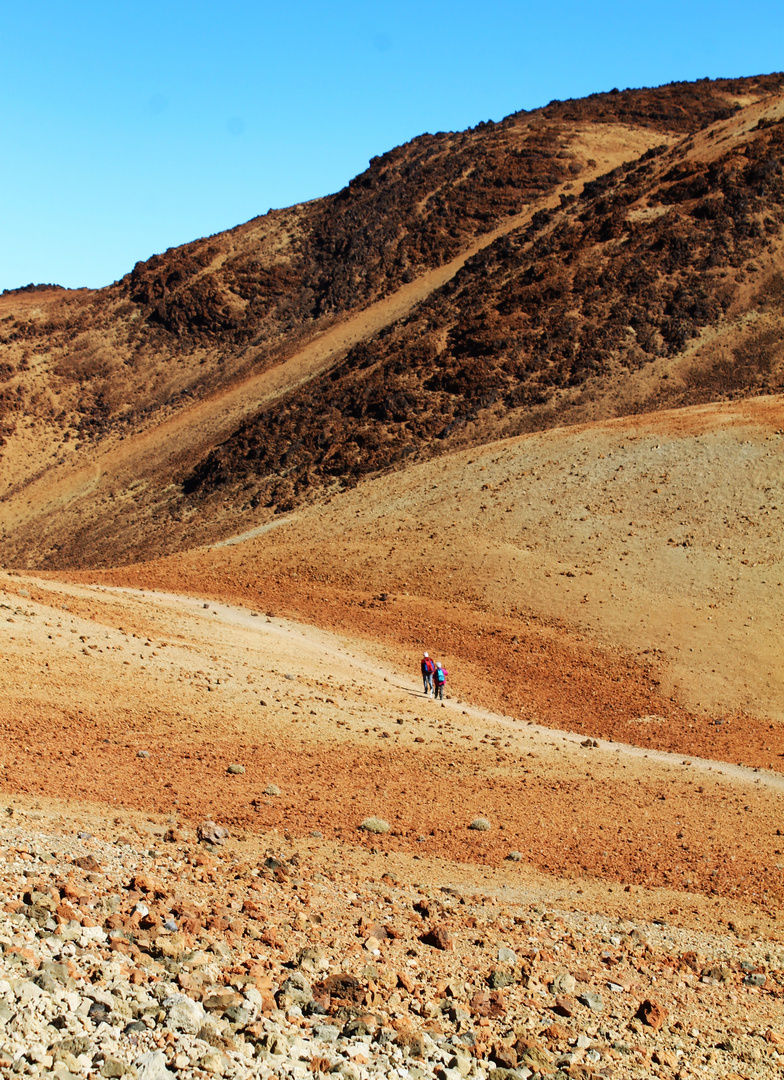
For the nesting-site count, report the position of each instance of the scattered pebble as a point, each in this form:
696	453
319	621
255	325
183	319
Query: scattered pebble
480	824
374	825
214	962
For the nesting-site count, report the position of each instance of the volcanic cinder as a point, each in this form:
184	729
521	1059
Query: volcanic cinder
513	397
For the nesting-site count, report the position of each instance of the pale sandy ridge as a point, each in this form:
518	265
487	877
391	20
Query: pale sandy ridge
140	700
306	645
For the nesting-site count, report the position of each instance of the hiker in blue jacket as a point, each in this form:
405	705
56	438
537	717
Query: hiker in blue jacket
439	680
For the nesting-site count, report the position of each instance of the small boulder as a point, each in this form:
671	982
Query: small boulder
374	825
565	1005
652	1013
87	862
504	1056
410	1042
534	1057
499	978
563	984
342	987
439	937
152	1066
220	998
184	1014
295	990
210	833
591	1001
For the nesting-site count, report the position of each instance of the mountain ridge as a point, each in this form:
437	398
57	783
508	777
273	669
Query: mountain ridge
202	326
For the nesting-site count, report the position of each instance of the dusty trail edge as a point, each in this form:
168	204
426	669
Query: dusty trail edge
328	641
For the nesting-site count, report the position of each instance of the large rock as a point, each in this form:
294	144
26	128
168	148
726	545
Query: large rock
499	978
215	1063
439	937
184	1014
296	990
563	984
411	1042
592	1001
210	833
152	1066
220	998
342	987
652	1013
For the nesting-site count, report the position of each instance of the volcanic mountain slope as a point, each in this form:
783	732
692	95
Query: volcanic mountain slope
107	455
660	285
587	577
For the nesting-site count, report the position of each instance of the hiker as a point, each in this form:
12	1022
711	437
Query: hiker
439	678
428	667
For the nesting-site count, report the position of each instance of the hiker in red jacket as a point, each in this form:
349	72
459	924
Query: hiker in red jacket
428	667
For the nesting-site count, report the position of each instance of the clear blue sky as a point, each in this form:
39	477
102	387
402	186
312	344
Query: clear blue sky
127	128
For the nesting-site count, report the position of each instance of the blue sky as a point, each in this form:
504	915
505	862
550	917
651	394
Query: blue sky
128	128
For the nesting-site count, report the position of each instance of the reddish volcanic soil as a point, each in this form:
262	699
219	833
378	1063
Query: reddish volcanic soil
436	411
97	677
619	580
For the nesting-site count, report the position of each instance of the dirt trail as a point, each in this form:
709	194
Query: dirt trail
633	566
328	647
141	700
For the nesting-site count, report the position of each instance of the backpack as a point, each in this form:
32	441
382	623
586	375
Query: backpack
440	675
429	666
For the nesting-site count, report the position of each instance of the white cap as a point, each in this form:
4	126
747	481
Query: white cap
438	664
425	654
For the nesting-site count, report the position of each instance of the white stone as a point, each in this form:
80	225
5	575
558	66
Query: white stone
214	1062
90	934
37	1052
299	1048
184	1014
152	1066
564	983
253	999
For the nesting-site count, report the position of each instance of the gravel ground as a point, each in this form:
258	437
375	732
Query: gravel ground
132	948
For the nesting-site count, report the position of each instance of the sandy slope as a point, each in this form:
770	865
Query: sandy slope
612	571
92	677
